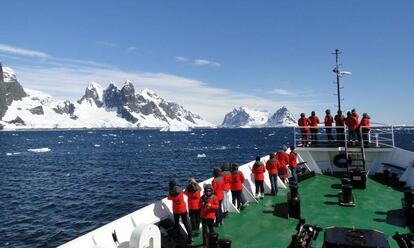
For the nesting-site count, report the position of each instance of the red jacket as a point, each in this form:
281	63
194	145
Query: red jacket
218	186
304	123
365	124
314	121
227	180
293	159
356	117
178	203
339	120
208	212
351	124
193	199
328	120
258	171
272	166
237	179
282	157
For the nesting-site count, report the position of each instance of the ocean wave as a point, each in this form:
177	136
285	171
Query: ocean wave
202	155
39	150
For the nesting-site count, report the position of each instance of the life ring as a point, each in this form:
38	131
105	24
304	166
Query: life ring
341	161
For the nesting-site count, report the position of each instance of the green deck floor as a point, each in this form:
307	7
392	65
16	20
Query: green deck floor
258	225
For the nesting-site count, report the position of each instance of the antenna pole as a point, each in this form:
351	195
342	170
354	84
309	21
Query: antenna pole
337	79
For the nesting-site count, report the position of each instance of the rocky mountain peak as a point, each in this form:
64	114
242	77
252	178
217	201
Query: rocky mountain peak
93	93
282	117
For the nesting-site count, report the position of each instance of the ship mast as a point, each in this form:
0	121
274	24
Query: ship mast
338	72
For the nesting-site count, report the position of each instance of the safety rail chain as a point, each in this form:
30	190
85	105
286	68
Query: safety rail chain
378	136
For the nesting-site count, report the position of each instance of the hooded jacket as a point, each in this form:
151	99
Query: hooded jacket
193	196
237	179
328	120
282	157
177	197
272	166
208	204
304	123
218	187
293	159
258	171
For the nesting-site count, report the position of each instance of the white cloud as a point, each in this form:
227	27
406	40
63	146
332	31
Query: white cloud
181	59
205	62
22	52
67	79
131	49
283	92
212	103
105	43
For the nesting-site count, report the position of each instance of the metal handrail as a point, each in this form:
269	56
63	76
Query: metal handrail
381	134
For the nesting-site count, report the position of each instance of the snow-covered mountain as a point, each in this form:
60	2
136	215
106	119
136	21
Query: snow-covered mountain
97	108
281	118
243	117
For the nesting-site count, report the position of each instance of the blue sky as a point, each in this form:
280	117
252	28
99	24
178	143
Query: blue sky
212	56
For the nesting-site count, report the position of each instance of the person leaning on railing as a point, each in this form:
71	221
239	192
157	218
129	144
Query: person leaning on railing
352	126
365	126
328	123
340	126
304	123
314	121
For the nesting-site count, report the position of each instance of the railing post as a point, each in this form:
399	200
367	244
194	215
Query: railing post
376	140
392	135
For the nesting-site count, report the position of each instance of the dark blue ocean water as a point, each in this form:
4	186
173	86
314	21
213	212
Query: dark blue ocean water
92	177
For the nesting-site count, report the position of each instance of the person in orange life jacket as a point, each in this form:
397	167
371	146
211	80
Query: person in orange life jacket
179	209
209	204
193	199
328	124
356	118
283	159
218	186
314	121
293	163
237	179
339	123
272	167
366	127
258	171
304	123
226	174
352	126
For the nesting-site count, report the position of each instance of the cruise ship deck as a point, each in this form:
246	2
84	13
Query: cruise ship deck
265	224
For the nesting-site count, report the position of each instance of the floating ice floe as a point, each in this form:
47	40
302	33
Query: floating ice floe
38	150
96	145
201	155
12	153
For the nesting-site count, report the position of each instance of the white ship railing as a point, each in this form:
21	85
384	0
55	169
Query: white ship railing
155	213
380	135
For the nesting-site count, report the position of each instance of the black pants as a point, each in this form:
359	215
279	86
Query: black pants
219	214
195	219
237	197
207	223
329	134
273	183
314	135
259	185
187	226
340	134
